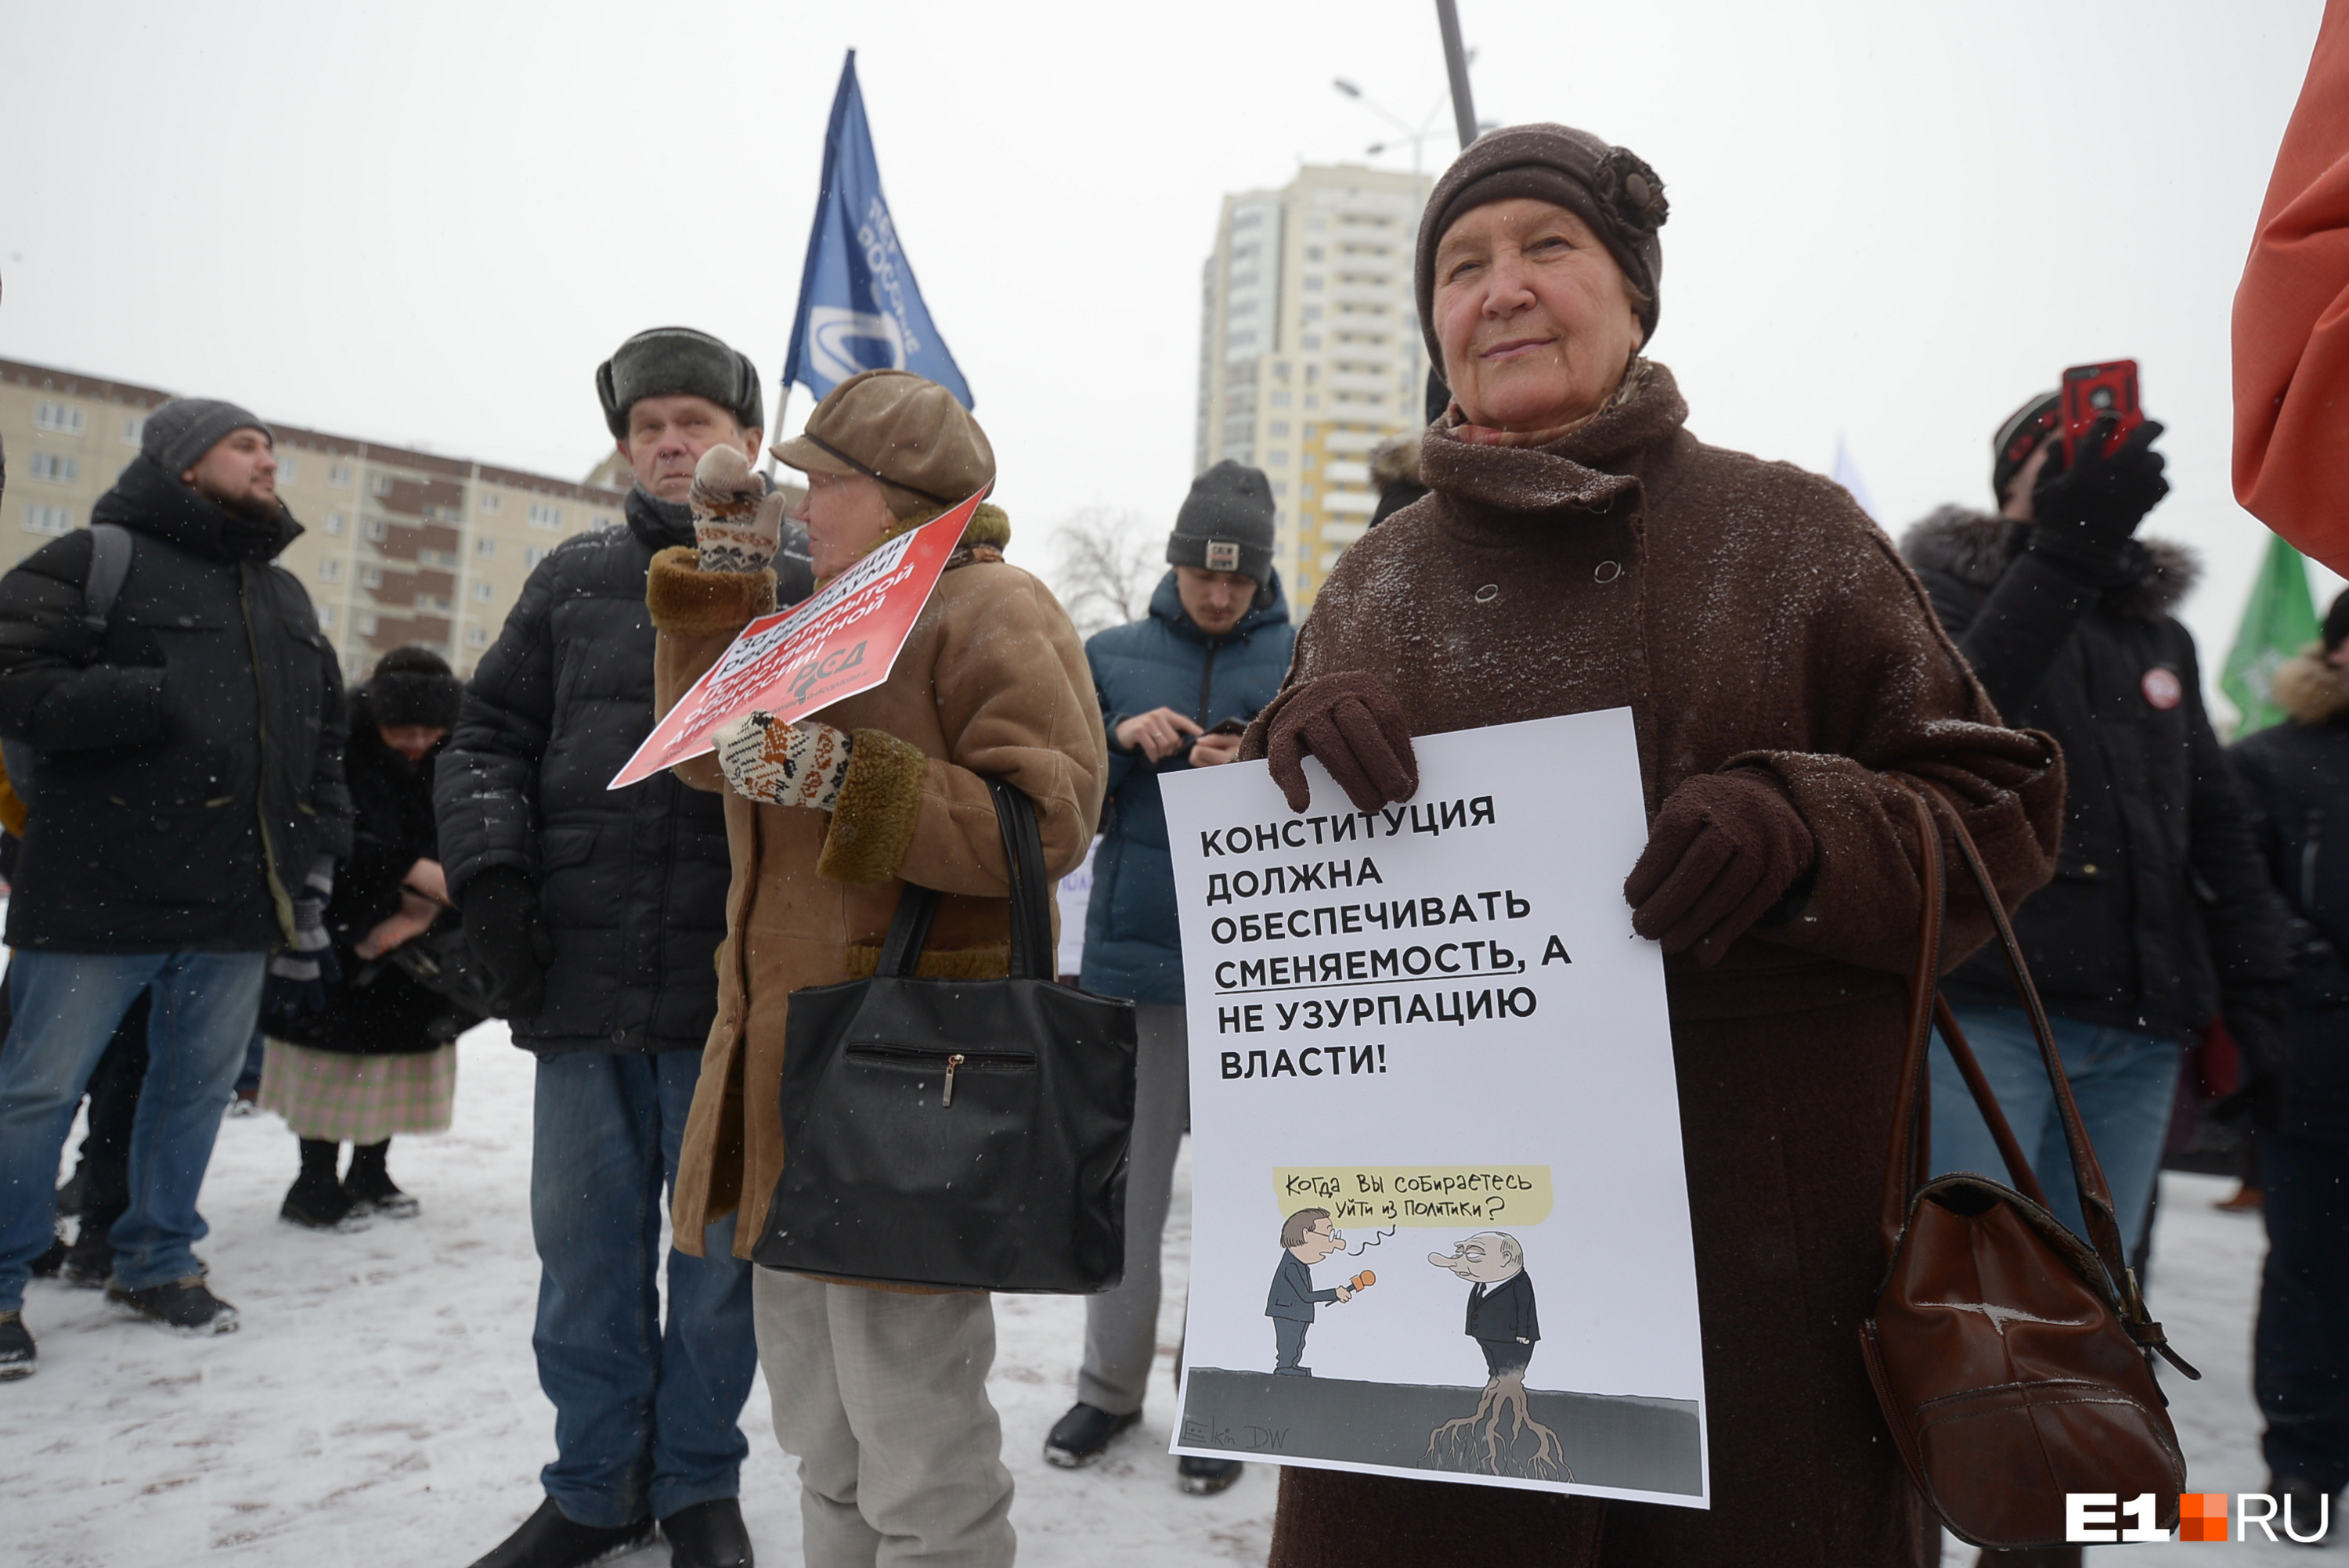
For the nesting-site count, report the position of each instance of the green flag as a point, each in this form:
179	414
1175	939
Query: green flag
2279	619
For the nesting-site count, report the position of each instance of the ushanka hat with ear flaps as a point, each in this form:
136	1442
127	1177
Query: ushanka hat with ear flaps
1610	188
415	685
678	361
1227	525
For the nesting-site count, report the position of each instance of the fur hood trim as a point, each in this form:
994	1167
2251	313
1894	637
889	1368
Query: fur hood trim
989	526
1975	547
2308	689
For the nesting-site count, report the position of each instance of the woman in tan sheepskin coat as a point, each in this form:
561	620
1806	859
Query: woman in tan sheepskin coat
881	1393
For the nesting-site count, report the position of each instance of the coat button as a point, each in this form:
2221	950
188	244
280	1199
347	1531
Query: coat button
1606	571
1488	593
619	1036
2088	871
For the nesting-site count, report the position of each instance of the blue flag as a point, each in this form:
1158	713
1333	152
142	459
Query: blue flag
860	308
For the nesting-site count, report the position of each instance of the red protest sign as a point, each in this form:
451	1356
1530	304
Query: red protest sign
843	640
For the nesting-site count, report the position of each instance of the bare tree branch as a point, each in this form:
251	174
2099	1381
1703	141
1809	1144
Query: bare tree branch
1106	563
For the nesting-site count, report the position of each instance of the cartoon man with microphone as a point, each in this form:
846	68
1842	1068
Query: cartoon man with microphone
1306	1237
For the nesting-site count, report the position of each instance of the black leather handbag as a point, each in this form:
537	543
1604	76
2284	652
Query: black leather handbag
958	1134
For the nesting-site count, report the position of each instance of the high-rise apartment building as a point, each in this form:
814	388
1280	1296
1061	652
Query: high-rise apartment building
1310	350
399	546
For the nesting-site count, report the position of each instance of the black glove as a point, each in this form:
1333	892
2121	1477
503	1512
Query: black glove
504	928
2259	1019
2083	512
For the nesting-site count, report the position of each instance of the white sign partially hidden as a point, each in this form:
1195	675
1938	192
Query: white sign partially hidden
1440	1224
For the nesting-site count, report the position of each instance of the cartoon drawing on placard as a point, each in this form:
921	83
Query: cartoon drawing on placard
1306	1237
1503	1323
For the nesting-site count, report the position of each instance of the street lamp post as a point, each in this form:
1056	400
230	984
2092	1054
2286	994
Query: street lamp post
1416	135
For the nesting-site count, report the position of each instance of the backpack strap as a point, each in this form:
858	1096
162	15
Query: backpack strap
109	562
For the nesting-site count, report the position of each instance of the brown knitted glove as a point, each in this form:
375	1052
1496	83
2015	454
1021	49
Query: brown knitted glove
1353	724
1724	848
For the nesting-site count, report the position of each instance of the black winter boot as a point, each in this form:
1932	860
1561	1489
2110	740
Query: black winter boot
17	1356
1079	1438
316	1201
89	1262
548	1539
708	1535
369	1186
185	1306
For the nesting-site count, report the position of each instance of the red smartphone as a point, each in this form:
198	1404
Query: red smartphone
2093	391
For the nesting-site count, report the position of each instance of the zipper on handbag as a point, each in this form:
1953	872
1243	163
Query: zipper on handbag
952	1061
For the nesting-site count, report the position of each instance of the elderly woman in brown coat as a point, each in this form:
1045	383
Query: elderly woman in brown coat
1581	550
880	1392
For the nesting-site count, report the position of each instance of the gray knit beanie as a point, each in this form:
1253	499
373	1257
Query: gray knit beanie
1226	525
181	431
678	361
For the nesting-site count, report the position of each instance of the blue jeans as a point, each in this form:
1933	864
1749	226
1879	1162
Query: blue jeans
644	1415
67	1005
2121	1079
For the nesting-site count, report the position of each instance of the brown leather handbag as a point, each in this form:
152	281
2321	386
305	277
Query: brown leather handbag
2014	1359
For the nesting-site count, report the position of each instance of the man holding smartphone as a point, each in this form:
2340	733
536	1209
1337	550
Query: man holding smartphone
1176	688
2159	917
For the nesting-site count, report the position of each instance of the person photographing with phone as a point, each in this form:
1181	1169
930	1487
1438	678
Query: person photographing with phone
1177	689
2158	918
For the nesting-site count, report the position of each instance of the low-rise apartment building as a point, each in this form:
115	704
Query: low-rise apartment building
399	546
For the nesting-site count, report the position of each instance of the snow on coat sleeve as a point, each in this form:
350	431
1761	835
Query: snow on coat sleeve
51	695
1892	696
485	789
330	790
2291	319
2240	913
1016	699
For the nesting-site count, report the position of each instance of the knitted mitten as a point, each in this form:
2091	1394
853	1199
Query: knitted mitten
782	764
737	523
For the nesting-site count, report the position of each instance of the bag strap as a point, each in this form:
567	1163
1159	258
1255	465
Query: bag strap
2001	1133
109	562
1910	1157
909	931
1907	1161
1032	922
1033	954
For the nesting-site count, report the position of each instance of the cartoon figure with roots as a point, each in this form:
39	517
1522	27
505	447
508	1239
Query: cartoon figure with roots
1501	1321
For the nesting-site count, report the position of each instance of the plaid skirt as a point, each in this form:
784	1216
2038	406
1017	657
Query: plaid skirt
336	1097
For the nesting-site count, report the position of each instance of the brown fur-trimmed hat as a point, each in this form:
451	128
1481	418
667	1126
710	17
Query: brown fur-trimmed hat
1610	188
902	430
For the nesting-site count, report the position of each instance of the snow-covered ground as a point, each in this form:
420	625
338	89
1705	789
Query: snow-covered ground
380	1408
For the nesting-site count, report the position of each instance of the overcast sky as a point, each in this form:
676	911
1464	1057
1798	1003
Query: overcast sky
427	222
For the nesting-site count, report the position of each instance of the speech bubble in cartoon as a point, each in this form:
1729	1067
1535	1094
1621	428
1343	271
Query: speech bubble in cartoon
1427	1195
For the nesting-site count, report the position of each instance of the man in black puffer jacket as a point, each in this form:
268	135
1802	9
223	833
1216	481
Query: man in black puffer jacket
2160	916
186	805
599	912
2296	781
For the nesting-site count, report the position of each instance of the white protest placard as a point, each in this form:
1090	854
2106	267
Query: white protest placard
1434	1026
